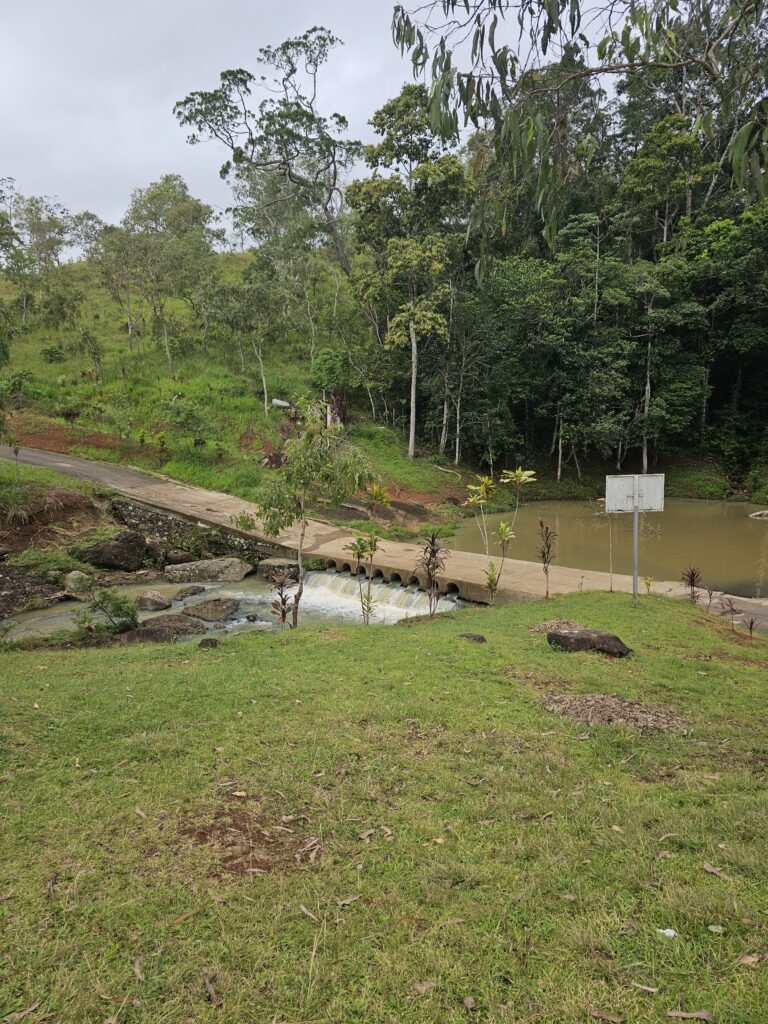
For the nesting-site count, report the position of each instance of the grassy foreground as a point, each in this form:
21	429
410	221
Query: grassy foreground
463	853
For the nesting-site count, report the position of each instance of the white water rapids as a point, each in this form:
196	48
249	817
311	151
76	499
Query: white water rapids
328	597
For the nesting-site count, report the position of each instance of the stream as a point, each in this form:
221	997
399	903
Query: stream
329	597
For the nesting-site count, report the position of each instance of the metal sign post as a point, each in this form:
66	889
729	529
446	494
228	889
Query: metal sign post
635	494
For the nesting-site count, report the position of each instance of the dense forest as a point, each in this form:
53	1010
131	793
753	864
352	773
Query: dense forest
603	299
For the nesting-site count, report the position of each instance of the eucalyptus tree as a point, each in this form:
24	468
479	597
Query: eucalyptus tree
170	236
501	65
284	132
320	466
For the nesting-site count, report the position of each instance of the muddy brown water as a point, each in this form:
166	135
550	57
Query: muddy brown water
717	536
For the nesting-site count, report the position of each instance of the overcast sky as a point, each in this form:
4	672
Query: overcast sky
87	87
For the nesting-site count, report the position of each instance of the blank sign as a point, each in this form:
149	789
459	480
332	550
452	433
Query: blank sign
622	492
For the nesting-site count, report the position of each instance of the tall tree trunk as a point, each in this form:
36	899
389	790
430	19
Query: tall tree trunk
414	373
444	429
166	340
560	452
300	560
646	408
260	356
457	449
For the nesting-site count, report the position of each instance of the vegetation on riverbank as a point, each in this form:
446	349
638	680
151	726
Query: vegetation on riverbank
473	853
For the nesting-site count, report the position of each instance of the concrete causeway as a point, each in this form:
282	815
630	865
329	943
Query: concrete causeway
464	571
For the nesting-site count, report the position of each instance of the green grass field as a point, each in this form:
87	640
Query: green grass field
463	853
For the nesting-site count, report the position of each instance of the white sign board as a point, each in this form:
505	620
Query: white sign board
642	492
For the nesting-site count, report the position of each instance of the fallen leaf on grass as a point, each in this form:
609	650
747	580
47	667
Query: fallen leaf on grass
138	969
347	900
309	913
451	920
141	813
695	1015
36	706
366	836
664	855
389	835
210	991
288	818
422	987
616	828
669	932
645	988
712	870
599	1015
186	915
21	1014
469	1003
240	793
716	929
753	959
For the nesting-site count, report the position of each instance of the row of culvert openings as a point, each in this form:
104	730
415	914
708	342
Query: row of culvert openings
452	588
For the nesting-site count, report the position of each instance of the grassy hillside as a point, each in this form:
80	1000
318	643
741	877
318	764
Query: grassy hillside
285	829
137	410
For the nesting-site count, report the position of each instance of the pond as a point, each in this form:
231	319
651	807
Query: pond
718	536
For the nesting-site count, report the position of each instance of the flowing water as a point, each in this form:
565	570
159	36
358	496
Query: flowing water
328	597
717	536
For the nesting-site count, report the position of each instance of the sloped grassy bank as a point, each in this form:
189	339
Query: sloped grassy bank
356	825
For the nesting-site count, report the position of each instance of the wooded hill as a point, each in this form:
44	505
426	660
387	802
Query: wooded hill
419	284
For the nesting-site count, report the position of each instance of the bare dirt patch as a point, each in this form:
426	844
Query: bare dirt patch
608	709
247	844
545	627
45	516
34	431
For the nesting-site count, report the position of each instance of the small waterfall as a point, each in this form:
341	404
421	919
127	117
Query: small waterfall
340	591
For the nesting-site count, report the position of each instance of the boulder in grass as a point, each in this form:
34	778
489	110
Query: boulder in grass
152	601
209	570
583	639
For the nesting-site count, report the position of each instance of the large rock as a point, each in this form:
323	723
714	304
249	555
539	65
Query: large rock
583	639
78	584
271	567
152	601
127	551
185	592
162	629
21	590
218	609
177	557
209	570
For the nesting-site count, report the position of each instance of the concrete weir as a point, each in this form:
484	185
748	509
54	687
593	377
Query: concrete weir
464	573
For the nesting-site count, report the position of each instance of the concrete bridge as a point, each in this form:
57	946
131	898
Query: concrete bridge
393	562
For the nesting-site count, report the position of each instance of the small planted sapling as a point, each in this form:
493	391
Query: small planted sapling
751	624
546	550
429	565
376	496
282	606
363	548
729	607
648	581
692	578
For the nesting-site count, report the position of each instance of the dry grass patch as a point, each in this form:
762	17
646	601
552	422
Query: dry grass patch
608	709
247	844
